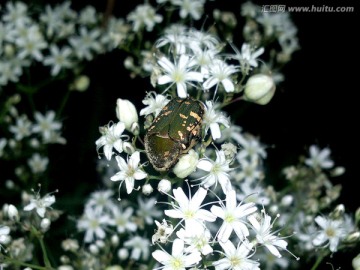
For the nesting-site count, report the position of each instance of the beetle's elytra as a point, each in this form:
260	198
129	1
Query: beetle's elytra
174	132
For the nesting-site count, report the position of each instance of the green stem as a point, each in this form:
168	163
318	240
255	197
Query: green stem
63	103
18	263
44	252
317	263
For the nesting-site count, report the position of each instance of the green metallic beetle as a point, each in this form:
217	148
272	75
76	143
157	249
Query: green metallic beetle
174	132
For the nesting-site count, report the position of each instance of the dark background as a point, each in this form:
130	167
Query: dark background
316	104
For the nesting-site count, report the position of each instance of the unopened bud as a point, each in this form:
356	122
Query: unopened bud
114	267
123	254
126	113
81	83
115	240
147	189
128	148
352	237
13	213
135	128
164	186
45	224
186	164
94	249
356	262
338	211
337	171
260	89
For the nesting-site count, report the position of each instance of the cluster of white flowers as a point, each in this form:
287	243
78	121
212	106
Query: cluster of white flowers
210	204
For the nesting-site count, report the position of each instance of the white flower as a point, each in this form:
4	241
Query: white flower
129	171
37	163
147	210
247	57
232	215
122	219
178	260
31	44
140	247
220	72
252	192
59	59
186	164
250	148
194	8
189	209
164	230
175	35
236	258
40	204
144	15
213	118
86	43
218	171
101	200
155	103
179	73
111	138
4	235
331	233
249	171
16	13
94	224
22	128
126	113
46	125
319	159
196	240
264	235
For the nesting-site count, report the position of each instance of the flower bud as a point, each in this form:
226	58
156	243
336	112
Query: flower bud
128	148
123	254
164	186
260	88
352	238
186	164
94	249
126	113
45	224
147	189
13	213
115	240
81	83
287	200
65	267
356	262
114	267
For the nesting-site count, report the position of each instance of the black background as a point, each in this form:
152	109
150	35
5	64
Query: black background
317	104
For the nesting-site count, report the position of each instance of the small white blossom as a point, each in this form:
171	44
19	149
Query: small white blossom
22	128
94	224
178	260
196	240
46	125
111	138
129	171
190	209
37	163
144	15
40	204
194	8
213	118
236	258
179	73
147	210
247	57
331	233
101	200
121	219
319	159
59	59
218	171
155	103
220	72
232	216
250	147
164	230
164	186
4	235
140	247
264	235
